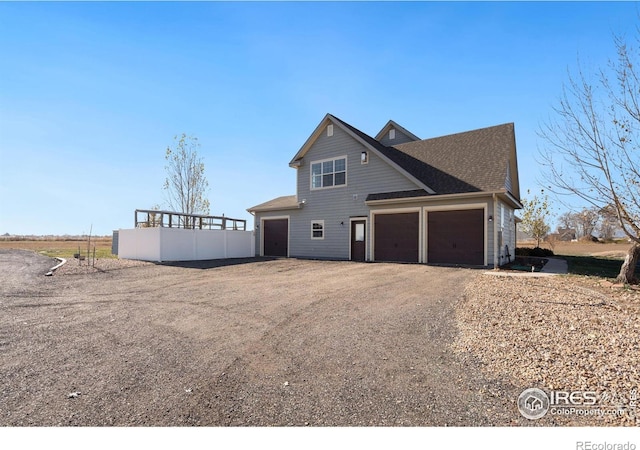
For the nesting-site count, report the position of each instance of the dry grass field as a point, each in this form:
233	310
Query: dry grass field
59	247
65	248
597	249
590	258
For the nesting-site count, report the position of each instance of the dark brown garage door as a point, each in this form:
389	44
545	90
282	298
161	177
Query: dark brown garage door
276	237
396	237
456	237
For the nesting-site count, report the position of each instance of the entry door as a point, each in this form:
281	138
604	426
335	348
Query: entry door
275	237
358	239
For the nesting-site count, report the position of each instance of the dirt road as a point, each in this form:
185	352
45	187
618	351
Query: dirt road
253	342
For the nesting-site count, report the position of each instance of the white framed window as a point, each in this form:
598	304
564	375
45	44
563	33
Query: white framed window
392	133
329	173
330	130
317	229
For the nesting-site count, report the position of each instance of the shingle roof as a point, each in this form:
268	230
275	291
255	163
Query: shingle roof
397	194
471	161
285	202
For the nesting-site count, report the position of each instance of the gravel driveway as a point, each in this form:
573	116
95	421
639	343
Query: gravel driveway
252	342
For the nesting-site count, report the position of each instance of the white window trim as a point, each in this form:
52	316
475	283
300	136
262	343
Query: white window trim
346	165
320	222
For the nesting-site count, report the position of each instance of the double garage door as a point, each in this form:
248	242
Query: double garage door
453	237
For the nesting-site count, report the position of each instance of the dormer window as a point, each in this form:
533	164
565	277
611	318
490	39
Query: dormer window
329	173
392	133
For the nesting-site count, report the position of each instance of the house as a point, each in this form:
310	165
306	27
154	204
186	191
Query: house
397	198
533	403
563	234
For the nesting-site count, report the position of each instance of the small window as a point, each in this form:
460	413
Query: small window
359	232
329	130
317	229
392	133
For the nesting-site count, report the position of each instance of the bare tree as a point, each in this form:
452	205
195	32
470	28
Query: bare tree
566	220
593	151
586	221
608	225
186	184
535	212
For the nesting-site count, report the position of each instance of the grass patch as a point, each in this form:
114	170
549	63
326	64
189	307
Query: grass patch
101	253
62	248
594	266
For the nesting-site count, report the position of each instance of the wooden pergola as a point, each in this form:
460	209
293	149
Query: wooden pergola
151	218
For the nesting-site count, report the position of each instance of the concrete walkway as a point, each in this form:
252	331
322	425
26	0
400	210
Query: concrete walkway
554	266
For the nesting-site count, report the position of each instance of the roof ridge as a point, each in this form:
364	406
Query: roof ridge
455	134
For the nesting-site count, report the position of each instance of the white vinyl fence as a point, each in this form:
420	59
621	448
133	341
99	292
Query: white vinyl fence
179	244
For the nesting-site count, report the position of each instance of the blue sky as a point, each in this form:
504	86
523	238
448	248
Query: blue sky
91	94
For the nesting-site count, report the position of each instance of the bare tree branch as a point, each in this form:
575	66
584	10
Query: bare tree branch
593	143
186	184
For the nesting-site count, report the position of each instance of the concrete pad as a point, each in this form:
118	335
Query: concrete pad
554	266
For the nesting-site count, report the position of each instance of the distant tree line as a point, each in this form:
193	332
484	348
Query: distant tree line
591	222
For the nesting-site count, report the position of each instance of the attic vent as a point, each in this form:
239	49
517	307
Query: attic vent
329	130
392	133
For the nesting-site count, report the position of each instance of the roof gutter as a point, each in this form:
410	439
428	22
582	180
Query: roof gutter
437	197
428	198
283	208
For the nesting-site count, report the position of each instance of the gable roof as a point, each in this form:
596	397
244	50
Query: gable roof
366	140
482	160
392	124
477	160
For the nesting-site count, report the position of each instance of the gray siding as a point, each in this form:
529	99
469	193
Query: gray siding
400	138
506	224
508	184
336	205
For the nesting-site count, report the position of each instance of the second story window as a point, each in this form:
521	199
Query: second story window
329	173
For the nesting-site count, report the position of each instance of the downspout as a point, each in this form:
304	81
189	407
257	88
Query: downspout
495	231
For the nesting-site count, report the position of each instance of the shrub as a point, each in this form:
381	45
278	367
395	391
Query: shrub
535	252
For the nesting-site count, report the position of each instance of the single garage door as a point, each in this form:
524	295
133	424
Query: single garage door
456	237
276	237
396	237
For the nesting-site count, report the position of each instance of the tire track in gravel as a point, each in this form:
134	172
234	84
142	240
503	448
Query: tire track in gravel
325	365
282	342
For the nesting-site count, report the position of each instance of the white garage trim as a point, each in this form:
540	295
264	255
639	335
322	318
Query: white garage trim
462	206
397	211
263	219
